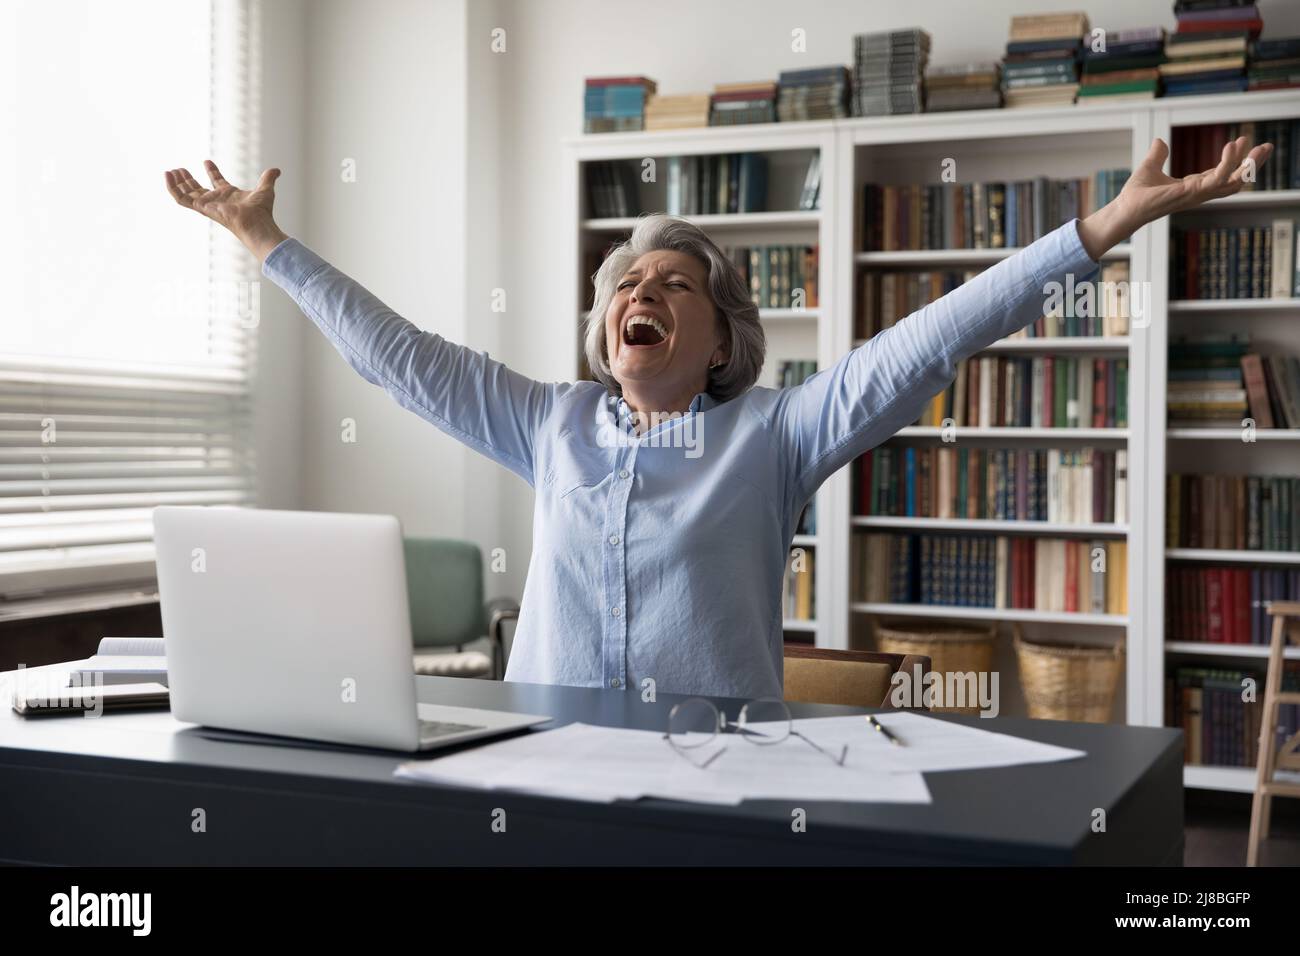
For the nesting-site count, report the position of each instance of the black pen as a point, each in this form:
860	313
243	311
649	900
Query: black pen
884	730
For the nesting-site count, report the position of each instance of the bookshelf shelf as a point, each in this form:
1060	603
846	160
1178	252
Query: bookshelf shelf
1029	615
957	257
1011	432
1258	199
1233	556
1242	651
1234	305
1233	434
803	219
1002	526
789	315
1234	779
991	146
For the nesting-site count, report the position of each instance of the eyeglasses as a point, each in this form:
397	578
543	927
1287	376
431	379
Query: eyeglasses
695	722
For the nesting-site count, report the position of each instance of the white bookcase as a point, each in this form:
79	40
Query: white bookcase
994	145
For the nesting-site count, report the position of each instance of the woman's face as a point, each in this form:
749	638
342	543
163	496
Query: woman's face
673	356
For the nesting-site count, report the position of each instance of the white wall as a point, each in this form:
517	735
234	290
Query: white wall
277	406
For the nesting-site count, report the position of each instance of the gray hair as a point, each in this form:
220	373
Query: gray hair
742	332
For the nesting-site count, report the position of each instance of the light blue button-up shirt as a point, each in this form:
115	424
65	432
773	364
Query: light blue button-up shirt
661	556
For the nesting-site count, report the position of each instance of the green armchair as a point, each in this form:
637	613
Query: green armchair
444	582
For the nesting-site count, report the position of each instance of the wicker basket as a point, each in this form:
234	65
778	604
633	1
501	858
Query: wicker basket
951	647
1069	682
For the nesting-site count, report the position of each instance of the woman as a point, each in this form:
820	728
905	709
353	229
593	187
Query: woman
667	493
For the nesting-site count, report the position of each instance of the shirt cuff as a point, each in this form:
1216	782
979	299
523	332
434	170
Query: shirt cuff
1067	250
290	264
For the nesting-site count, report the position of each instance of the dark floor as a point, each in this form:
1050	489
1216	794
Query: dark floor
1216	826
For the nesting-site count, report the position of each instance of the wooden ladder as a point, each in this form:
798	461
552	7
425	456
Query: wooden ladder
1286	627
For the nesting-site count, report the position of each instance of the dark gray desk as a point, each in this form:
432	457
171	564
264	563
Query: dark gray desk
123	791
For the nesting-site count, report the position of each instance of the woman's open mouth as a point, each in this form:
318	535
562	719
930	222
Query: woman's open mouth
644	332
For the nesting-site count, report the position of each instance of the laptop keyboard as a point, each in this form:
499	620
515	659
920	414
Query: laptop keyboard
433	729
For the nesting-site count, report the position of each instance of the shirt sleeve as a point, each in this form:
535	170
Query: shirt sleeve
885	383
467	395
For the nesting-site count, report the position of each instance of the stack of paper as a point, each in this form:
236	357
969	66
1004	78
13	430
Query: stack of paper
603	764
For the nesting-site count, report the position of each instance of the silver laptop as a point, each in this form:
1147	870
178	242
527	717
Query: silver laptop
297	623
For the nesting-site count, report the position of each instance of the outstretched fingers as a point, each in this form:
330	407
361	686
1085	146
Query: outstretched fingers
214	174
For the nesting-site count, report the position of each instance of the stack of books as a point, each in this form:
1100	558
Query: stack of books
1041	67
1206	386
1207	52
970	86
1125	66
1274	64
615	104
736	104
887	72
818	93
683	111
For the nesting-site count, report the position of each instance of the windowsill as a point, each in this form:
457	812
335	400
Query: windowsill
63	604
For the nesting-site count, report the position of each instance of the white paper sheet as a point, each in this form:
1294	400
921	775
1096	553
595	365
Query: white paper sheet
930	745
581	761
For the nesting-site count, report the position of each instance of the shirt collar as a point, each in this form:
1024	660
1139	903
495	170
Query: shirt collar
702	402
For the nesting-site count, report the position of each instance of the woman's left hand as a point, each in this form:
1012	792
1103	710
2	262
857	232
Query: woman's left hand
1150	194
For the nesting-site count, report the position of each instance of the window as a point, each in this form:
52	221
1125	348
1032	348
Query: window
128	337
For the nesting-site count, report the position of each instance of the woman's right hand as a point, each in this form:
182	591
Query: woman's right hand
245	212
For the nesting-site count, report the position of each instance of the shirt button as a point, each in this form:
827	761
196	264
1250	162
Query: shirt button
622	473
614	682
614	611
613	539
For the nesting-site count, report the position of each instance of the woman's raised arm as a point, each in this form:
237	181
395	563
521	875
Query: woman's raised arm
884	384
474	399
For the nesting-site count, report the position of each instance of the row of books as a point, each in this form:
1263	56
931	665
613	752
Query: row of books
1194	149
992	215
725	183
792	372
1225	605
1233	512
1219	727
1206	53
779	277
1214	380
992	571
888	68
798	594
1244	262
1041	392
1024	484
1093	310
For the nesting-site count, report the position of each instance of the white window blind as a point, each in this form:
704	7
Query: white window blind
128	331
